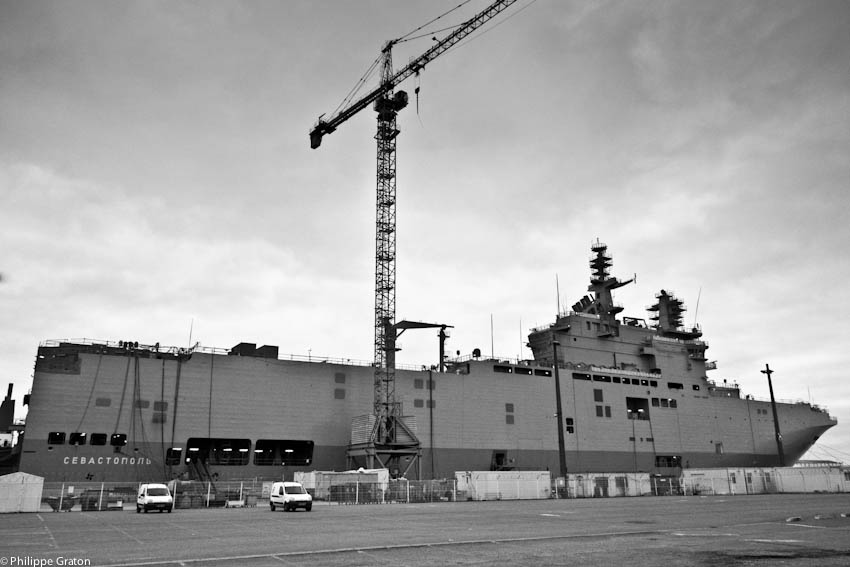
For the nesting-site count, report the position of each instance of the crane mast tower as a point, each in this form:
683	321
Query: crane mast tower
391	442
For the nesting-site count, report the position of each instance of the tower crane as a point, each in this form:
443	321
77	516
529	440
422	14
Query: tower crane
391	441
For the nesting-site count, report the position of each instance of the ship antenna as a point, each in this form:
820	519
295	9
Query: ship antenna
519	356
492	350
696	309
191	325
557	297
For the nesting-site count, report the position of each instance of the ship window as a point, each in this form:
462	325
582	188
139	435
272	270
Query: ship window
431	404
580	376
696	387
599	378
509	408
339	378
653	383
542	372
502	369
418	383
431	384
569	423
599	411
118	439
644	382
607	411
103	402
597	395
655	402
637	408
172	456
77	438
218	451
718	448
499	461
668	461
143	404
627	381
339	393
526	371
673	404
509	419
159	417
675	385
665	403
56	438
98	439
283	452
616	379
160	406
418	403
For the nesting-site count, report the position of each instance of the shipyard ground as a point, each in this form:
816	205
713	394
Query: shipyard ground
795	530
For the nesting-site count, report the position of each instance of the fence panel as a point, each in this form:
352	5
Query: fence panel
392	492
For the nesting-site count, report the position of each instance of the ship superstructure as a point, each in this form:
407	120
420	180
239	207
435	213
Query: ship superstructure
635	397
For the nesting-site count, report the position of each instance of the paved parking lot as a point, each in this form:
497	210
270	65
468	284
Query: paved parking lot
797	530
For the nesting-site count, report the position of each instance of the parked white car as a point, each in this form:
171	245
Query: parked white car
154	497
290	496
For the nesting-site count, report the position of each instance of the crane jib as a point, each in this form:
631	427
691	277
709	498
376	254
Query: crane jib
323	127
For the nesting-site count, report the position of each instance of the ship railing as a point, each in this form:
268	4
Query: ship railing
344	361
221	351
495	359
734	387
623	372
671	340
561	314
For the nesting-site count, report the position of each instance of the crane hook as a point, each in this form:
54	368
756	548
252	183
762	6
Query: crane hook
416	91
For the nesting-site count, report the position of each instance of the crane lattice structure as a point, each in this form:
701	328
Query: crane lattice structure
391	441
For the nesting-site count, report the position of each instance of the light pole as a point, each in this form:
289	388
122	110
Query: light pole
768	371
559	415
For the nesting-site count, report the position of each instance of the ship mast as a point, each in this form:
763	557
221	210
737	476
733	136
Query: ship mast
602	284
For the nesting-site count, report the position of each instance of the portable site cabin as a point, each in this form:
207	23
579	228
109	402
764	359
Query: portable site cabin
20	492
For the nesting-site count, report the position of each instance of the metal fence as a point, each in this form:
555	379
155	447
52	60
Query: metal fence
400	491
105	496
117	496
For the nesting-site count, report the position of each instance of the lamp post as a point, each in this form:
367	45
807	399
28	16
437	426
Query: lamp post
559	415
768	371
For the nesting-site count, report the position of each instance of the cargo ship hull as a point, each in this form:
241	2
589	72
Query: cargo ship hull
635	397
243	416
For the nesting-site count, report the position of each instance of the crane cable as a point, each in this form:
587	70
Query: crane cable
357	86
473	36
371	70
411	32
406	37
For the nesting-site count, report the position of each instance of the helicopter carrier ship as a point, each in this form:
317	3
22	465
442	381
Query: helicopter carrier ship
635	398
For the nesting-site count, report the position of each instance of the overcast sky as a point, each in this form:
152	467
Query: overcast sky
157	180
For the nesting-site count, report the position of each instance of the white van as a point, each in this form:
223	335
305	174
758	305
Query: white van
290	496
154	497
